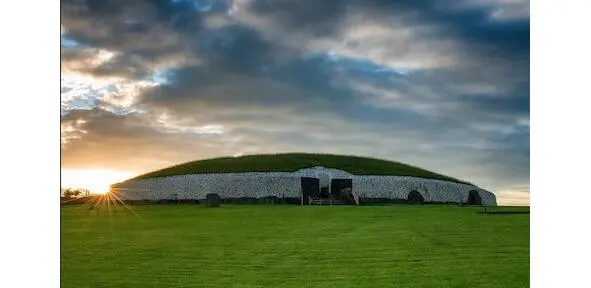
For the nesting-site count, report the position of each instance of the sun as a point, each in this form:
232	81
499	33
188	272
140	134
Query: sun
97	181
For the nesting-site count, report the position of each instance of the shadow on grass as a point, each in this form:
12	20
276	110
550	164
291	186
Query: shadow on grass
503	212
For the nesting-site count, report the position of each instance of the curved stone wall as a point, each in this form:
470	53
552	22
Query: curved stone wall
288	185
398	187
196	186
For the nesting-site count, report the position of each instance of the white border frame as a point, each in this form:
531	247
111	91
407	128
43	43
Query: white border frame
30	214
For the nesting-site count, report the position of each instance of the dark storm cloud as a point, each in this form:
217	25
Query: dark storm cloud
144	34
472	24
482	49
318	18
490	52
237	49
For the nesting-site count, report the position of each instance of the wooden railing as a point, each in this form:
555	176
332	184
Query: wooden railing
321	201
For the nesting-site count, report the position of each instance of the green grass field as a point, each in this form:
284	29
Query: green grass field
290	162
293	246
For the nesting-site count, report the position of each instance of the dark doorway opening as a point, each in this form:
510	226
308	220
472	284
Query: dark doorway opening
414	197
310	188
324	192
474	198
338	185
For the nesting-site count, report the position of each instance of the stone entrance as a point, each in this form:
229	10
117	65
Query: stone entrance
474	198
310	188
338	185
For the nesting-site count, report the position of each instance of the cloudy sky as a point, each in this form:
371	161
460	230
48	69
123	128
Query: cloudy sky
439	84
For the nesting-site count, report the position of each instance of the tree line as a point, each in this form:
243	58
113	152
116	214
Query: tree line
72	193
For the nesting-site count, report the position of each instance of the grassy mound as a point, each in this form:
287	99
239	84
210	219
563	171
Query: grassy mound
294	161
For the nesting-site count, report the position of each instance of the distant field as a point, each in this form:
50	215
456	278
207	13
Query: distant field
293	246
290	162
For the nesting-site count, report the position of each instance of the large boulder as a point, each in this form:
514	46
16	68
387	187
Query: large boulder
212	200
349	197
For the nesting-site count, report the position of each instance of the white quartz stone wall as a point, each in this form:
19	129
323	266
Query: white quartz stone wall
398	187
197	186
287	184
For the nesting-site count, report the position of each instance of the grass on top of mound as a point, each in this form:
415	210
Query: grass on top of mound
294	161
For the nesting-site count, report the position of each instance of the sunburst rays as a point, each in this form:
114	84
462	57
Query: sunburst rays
108	204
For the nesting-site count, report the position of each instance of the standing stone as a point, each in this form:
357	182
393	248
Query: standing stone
212	200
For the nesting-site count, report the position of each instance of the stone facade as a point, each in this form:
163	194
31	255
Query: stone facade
288	185
398	187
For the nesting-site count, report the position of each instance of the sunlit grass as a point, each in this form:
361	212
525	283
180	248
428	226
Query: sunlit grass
107	244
